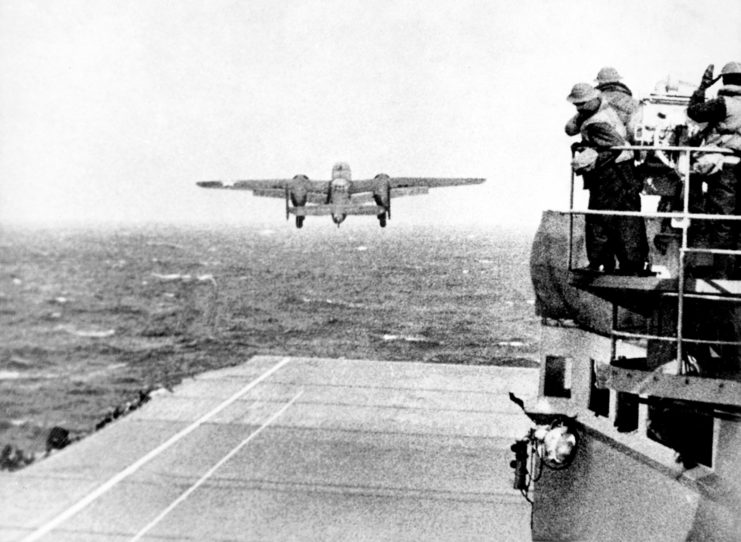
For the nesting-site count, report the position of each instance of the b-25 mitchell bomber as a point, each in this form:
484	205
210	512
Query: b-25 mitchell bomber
341	196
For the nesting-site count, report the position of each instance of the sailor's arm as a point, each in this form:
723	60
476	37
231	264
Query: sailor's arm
572	127
602	136
700	110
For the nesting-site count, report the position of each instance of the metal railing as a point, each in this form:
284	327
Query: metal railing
682	220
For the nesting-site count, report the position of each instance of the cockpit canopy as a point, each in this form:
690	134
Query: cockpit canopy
341	170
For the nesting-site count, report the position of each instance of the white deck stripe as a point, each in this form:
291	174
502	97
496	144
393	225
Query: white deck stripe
213	469
64	516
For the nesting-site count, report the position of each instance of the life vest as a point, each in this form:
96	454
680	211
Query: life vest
606	114
727	134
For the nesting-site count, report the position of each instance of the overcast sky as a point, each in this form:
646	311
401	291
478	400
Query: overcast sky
111	111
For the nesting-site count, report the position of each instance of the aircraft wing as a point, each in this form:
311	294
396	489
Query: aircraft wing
272	188
367	197
432	182
410	186
262	185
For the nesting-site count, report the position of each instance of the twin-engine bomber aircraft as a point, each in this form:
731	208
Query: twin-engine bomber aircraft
340	196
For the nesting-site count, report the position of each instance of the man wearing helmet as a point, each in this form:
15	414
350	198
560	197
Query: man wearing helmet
610	178
722	172
617	95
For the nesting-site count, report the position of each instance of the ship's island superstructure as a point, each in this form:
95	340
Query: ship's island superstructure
643	370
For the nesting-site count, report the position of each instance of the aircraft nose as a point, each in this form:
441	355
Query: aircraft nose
338	218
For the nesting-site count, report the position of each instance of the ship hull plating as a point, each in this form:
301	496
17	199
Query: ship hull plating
624	486
631	479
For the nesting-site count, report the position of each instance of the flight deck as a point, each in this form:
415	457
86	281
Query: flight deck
283	448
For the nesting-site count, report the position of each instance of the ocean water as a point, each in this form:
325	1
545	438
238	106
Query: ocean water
91	317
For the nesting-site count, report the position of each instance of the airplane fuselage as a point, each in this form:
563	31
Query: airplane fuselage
339	189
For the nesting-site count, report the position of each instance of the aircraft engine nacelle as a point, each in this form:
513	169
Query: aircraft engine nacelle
382	196
298	190
382	192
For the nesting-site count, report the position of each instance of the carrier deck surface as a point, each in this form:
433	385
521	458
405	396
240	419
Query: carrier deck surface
285	448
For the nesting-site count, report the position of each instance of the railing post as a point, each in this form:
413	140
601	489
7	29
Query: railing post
684	167
571	215
613	334
685	219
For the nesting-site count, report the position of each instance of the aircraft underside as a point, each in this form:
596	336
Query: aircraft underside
338	213
339	201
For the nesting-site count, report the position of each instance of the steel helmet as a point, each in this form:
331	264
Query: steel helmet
582	93
731	68
608	75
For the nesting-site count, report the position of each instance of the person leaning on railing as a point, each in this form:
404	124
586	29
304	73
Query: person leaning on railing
617	95
722	172
610	177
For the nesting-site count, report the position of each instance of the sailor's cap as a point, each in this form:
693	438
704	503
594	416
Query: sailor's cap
582	93
731	68
608	74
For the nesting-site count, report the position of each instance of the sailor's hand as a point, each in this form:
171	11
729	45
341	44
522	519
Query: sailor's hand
661	242
584	161
708	77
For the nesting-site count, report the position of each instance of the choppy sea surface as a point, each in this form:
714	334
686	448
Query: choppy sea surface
89	318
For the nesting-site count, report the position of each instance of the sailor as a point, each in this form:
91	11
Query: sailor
722	172
618	96
610	178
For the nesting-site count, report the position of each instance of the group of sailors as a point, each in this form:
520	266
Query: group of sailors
605	118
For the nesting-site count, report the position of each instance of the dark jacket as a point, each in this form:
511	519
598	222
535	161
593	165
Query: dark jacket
723	115
600	131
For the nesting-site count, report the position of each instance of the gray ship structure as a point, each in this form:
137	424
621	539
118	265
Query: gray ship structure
636	432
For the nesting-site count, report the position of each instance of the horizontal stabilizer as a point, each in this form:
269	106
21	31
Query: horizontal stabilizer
314	210
363	197
362	210
409	191
321	210
316	197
